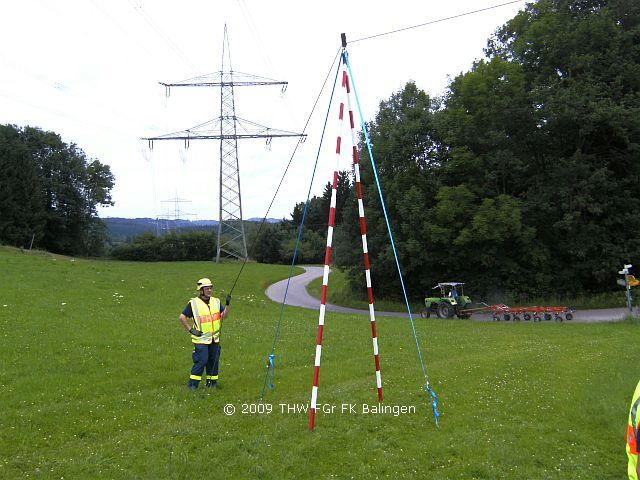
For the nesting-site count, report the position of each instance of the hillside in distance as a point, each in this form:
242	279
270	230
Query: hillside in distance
130	228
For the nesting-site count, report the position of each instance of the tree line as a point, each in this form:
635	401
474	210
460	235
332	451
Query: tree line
174	247
49	193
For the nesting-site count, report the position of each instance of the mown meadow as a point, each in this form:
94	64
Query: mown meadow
94	365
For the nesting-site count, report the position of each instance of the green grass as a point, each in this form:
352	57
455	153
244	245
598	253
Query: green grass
95	363
339	293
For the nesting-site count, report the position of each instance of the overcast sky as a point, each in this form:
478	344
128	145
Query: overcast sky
89	70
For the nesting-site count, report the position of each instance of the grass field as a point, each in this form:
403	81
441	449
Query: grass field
94	365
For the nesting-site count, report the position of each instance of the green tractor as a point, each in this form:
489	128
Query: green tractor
452	301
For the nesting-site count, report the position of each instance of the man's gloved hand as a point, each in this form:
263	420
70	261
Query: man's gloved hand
195	331
228	300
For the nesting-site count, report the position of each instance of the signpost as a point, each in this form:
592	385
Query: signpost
627	284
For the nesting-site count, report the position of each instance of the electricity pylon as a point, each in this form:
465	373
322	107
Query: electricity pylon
176	216
228	128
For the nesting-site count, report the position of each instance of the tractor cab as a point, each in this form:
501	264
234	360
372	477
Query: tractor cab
451	301
452	290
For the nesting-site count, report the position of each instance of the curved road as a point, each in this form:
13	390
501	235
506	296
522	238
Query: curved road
297	296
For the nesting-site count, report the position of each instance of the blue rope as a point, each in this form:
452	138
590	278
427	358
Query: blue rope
435	402
434	396
272	355
271	366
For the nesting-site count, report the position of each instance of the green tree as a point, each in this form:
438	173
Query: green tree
486	242
268	248
581	61
21	208
405	152
343	185
64	189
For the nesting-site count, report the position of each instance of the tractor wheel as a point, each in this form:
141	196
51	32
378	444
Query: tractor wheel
536	318
507	317
559	318
425	313
527	317
547	316
445	310
568	316
516	318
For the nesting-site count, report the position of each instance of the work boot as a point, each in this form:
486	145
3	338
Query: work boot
212	384
193	384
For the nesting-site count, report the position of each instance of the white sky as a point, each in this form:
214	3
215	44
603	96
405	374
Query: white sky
89	70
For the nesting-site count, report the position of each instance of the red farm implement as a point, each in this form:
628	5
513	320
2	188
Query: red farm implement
537	314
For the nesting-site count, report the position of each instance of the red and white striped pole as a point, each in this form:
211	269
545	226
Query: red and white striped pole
327	259
363	232
325	277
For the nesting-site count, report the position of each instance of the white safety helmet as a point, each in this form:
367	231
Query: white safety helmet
203	282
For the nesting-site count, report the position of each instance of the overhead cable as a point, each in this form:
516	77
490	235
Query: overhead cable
435	21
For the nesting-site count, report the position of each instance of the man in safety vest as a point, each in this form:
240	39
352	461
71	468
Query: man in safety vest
202	318
633	438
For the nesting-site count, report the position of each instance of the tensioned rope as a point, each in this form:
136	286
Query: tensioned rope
435	21
363	233
430	391
343	114
271	366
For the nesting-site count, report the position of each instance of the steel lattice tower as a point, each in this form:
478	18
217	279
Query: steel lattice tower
231	227
228	128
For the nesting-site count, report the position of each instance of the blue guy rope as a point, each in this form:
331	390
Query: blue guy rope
272	369
270	375
433	395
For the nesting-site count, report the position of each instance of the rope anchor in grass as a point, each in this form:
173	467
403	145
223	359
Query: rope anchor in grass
434	396
271	370
434	403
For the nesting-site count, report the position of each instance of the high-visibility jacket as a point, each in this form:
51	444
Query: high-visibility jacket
632	434
206	318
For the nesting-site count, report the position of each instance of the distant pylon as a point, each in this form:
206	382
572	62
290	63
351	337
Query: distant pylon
176	216
231	237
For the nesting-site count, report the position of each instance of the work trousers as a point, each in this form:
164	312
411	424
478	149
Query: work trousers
205	357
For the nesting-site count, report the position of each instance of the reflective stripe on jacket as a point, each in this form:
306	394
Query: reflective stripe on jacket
206	318
632	434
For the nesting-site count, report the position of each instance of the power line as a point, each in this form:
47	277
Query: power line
137	7
435	21
255	33
104	12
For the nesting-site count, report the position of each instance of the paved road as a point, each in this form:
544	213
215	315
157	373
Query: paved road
298	296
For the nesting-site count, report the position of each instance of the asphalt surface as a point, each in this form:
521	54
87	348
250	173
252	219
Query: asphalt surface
297	296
